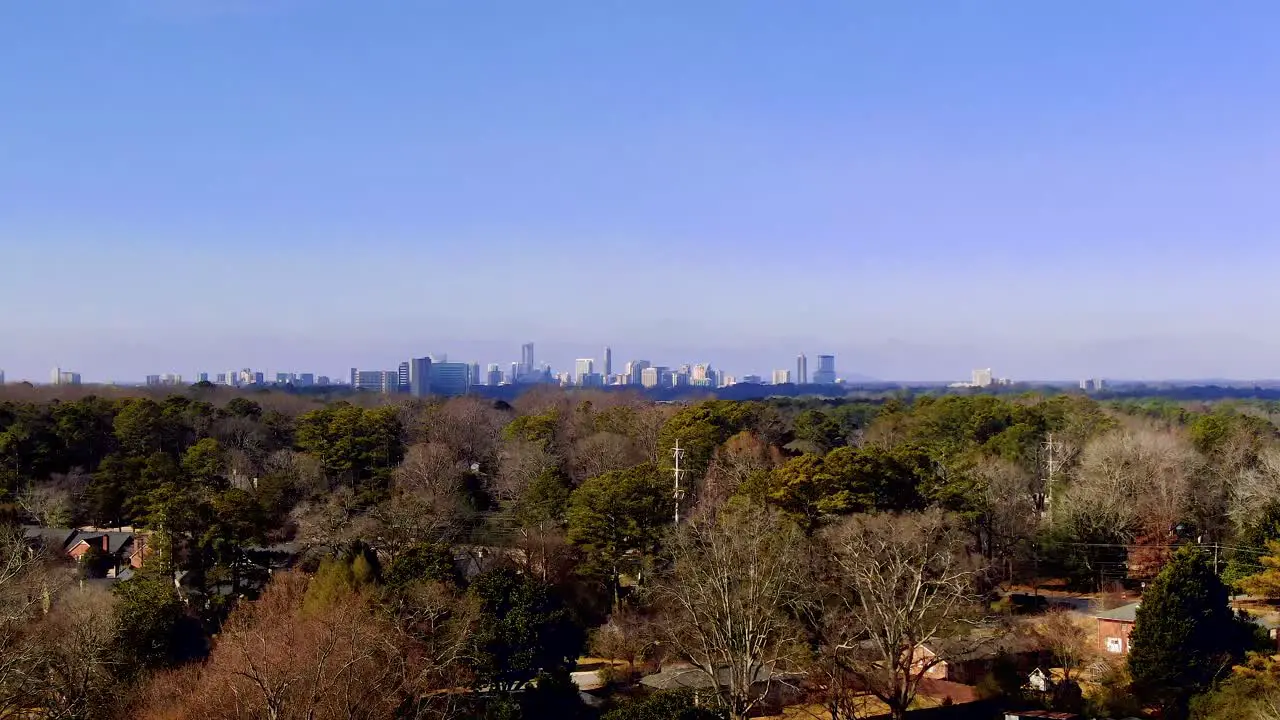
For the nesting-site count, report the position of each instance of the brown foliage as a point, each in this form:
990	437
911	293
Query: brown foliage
275	661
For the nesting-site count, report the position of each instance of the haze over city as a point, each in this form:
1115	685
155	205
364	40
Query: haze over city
1058	191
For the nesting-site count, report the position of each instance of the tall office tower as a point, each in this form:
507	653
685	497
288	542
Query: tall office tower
607	370
826	372
220	379
781	377
983	378
233	378
583	367
202	377
475	373
450	379
650	377
419	384
247	377
55	377
171	379
306	379
702	374
259	379
802	369
493	375
153	380
404	378
514	376
526	359
635	371
1	377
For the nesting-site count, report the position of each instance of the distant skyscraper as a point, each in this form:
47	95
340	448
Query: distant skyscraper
607	370
284	378
324	381
232	378
259	379
450	379
419	384
526	359
403	379
826	372
202	377
64	377
494	375
781	377
802	369
650	377
153	380
583	367
306	379
635	370
514	376
1	377
475	373
383	381
983	377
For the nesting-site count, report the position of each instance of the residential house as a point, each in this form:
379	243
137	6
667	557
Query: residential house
114	551
967	660
1114	627
777	689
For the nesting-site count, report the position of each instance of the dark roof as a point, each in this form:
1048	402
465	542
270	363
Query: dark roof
116	541
684	676
1124	613
983	646
54	539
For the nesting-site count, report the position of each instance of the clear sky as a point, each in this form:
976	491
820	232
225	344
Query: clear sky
1053	189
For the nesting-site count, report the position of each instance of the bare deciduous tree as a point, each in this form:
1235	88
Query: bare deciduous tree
49	506
1131	482
1068	635
731	601
274	660
741	457
897	583
602	452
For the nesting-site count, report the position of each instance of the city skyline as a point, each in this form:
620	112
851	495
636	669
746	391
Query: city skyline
977	185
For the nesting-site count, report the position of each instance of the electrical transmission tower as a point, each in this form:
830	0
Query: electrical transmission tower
1052	464
678	493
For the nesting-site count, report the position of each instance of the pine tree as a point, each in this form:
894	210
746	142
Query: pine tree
1186	636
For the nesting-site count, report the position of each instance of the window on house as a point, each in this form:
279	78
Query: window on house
1115	645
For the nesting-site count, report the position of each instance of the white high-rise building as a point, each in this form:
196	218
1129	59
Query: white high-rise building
983	377
650	377
802	369
583	367
781	377
607	370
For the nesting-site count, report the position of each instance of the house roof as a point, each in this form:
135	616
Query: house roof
982	646
1124	613
685	676
49	538
116	541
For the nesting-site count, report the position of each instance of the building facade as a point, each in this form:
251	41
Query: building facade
450	379
419	377
802	369
826	372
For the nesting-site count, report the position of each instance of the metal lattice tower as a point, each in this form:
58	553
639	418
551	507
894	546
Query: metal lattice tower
678	493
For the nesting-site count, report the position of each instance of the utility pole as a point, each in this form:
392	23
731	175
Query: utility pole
678	493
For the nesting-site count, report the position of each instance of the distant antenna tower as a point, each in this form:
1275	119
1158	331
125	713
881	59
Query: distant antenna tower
678	494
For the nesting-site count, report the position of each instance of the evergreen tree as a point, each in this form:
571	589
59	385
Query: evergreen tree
1186	636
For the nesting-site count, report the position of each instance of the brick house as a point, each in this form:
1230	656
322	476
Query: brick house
1114	627
117	550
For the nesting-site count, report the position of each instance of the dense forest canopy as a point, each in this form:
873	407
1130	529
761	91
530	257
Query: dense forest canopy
449	558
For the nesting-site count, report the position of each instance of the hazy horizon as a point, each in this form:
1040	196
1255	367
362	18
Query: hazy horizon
1053	191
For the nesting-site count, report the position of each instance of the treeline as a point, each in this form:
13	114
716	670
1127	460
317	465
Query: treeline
457	557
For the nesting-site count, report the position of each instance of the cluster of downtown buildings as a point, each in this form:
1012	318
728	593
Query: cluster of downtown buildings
435	375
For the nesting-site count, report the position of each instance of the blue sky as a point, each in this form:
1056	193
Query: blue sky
1054	189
